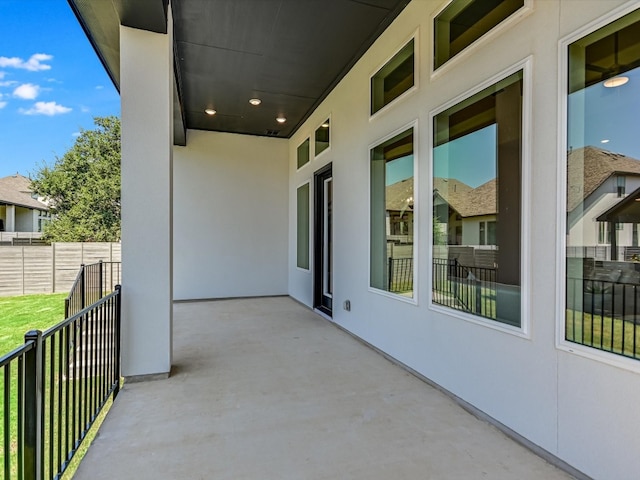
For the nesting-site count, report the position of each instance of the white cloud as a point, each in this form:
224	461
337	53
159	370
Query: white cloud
45	108
27	91
75	134
2	74
8	83
34	64
98	87
84	109
3	104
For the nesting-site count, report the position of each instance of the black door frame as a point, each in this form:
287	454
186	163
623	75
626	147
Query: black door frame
320	301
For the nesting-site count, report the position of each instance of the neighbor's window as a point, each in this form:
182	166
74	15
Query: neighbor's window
322	137
303	226
303	153
463	22
477	160
603	189
392	211
392	80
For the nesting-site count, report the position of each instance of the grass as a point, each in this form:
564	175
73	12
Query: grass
604	333
17	316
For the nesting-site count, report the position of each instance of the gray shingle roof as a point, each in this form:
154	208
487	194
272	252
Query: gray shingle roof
589	167
16	190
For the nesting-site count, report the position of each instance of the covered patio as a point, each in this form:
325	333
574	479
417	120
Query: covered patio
264	388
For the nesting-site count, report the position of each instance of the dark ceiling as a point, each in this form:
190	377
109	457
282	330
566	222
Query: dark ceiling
288	53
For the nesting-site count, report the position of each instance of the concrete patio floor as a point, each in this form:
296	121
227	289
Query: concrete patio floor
266	389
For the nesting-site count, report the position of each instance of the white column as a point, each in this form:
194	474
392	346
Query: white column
10	224
146	76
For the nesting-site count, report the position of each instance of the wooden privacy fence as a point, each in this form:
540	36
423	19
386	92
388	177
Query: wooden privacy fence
49	269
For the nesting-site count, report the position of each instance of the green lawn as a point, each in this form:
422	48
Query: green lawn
17	316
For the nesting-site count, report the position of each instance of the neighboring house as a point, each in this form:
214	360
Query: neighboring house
607	180
20	209
212	187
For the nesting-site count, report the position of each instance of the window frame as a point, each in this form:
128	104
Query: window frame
416	201
562	344
416	69
505	24
524	330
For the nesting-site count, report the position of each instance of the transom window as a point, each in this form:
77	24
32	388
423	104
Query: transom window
322	137
463	22
303	153
393	79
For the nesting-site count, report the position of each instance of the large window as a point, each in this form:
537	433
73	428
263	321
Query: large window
392	213
303	226
477	164
462	22
393	79
603	189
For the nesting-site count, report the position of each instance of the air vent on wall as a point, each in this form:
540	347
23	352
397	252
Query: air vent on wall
272	133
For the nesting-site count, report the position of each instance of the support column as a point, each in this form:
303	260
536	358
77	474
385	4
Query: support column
10	224
146	88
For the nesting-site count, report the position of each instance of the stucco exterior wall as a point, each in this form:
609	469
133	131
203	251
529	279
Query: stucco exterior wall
230	216
573	406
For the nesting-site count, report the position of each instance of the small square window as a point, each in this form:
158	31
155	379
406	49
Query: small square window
322	137
303	153
393	79
463	22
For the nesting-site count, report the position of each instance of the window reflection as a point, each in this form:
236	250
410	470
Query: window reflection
476	203
392	211
603	189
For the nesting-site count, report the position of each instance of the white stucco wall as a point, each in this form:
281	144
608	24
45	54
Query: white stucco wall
230	216
579	409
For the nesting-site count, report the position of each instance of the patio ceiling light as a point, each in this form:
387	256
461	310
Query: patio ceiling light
615	81
281	119
209	111
255	101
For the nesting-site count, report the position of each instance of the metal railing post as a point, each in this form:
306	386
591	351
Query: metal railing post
33	407
82	287
118	289
100	279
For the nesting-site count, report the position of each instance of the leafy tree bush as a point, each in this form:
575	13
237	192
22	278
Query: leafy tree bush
83	187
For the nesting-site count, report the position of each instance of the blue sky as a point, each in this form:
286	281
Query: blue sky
51	84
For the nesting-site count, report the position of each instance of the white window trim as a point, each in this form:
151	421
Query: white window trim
416	75
296	155
328	149
524	330
310	213
416	201
507	23
563	62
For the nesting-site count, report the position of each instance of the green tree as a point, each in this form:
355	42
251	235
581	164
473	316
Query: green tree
83	187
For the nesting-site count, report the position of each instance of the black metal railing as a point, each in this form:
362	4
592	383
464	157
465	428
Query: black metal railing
471	289
54	387
604	315
400	274
91	284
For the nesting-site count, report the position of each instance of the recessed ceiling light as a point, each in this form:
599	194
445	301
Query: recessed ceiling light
210	111
281	119
255	101
615	82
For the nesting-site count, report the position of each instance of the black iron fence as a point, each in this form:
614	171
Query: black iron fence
53	388
400	274
470	289
91	284
604	315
